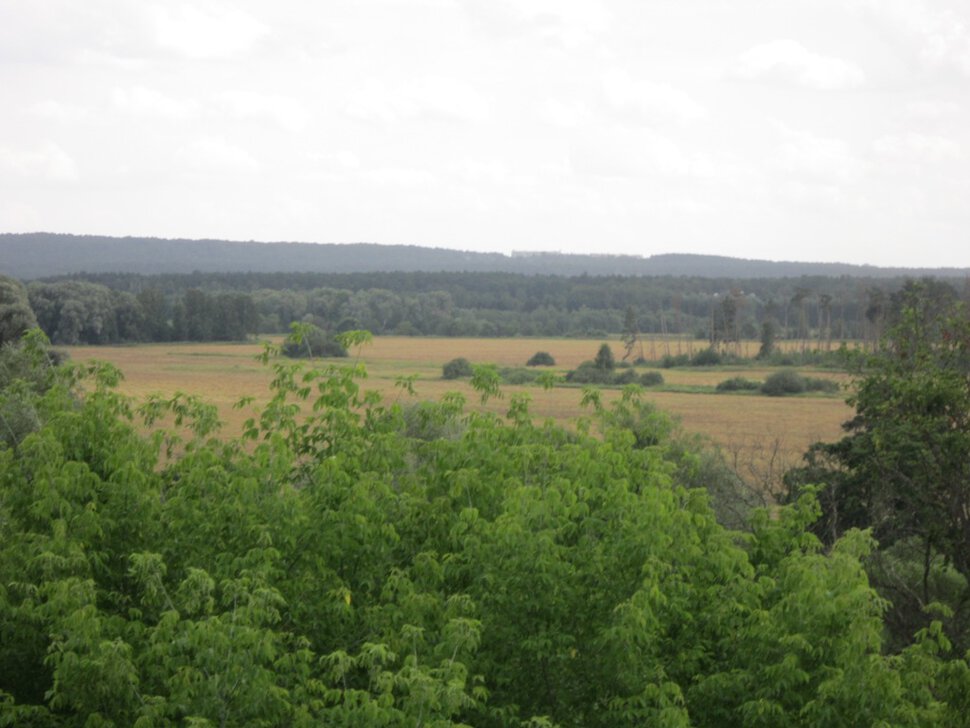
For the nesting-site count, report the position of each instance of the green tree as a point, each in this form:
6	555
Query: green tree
604	358
768	334
903	470
456	368
16	315
340	564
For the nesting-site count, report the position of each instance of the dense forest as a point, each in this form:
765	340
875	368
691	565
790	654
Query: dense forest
120	307
414	563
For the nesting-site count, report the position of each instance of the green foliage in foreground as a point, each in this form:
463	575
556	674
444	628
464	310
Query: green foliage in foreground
367	564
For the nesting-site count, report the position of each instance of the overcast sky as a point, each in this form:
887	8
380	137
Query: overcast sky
829	130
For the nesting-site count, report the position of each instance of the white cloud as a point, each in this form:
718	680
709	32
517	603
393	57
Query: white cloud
633	153
787	61
429	97
205	33
343	160
917	147
46	162
143	101
932	109
570	24
562	114
347	159
942	33
817	159
648	99
405	177
217	155
60	112
284	111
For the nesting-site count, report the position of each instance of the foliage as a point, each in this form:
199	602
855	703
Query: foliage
308	341
768	335
669	361
519	375
902	469
778	384
355	562
541	359
604	358
588	373
16	316
459	367
781	383
706	358
738	384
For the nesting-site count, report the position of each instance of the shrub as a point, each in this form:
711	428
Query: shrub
589	373
706	358
314	342
456	368
627	376
816	384
782	383
651	379
738	384
541	359
670	360
518	375
604	358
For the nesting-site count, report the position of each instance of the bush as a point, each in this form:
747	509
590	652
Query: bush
651	379
604	358
738	384
589	373
541	359
518	375
815	384
627	376
669	360
782	383
456	368
706	358
315	342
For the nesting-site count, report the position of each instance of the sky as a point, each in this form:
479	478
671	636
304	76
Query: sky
813	130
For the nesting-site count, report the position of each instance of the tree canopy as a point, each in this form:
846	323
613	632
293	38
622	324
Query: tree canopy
349	561
903	469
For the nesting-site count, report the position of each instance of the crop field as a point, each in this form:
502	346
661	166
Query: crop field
759	433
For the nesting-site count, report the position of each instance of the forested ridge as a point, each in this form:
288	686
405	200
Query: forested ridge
412	563
38	255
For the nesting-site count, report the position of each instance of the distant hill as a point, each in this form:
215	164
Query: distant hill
39	255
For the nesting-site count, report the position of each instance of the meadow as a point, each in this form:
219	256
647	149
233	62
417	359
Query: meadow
760	435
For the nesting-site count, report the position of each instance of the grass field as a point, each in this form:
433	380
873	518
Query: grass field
759	432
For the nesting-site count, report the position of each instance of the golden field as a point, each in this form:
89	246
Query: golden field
760	432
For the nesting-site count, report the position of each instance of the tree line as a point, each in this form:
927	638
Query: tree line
105	308
79	312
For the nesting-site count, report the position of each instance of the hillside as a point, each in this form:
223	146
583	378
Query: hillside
38	255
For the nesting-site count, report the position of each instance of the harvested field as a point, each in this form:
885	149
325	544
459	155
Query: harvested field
757	431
